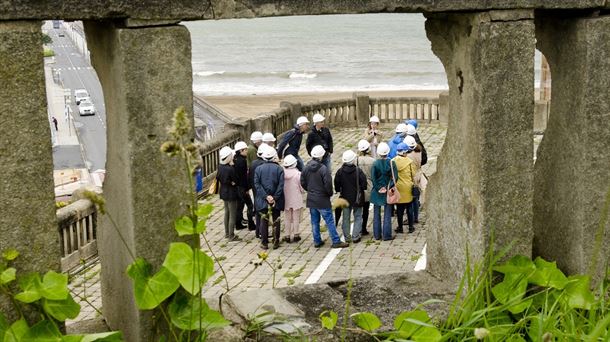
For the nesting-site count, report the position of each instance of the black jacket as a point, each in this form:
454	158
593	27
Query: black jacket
269	180
319	137
228	182
256	163
345	183
424	154
317	181
240	163
291	143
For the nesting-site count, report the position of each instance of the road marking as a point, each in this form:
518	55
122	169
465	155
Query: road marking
421	262
323	266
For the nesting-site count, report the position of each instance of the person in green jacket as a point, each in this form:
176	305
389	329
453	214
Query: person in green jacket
381	177
257	139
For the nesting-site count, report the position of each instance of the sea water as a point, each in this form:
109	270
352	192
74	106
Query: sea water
314	54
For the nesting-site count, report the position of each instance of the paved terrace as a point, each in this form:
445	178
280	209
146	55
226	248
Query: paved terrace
300	262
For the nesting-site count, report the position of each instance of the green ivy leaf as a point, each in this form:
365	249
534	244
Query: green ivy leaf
191	266
54	286
10	254
7	276
406	322
329	319
547	274
16	331
61	309
518	264
113	336
151	291
184	226
204	211
191	313
3	326
427	334
43	331
577	292
511	290
30	285
366	321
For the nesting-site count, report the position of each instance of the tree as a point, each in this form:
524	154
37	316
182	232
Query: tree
46	39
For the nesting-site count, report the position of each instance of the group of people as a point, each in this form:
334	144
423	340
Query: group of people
268	181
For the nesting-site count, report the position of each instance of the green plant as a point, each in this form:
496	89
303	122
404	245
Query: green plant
40	304
46	39
48	52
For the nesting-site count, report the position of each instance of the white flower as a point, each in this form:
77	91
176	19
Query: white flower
481	333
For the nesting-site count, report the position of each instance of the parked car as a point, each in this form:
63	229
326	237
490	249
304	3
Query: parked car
86	107
79	95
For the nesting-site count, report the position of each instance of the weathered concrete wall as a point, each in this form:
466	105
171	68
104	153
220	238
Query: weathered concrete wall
27	206
198	9
146	75
572	172
485	169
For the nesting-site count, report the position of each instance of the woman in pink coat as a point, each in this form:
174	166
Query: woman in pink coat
293	196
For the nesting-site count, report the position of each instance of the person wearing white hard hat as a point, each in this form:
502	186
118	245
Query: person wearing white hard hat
241	171
253	166
269	139
373	134
228	191
381	175
320	135
317	181
401	133
419	183
257	139
291	141
293	199
365	162
412	131
269	200
350	183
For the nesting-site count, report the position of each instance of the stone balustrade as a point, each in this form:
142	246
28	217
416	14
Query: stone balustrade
396	109
336	111
77	226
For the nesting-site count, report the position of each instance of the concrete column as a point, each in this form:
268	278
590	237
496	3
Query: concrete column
146	74
483	182
362	108
27	209
572	171
295	110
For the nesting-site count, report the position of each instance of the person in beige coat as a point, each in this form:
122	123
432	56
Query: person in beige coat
373	135
415	155
365	162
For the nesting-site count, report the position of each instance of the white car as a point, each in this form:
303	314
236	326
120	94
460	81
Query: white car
79	95
86	107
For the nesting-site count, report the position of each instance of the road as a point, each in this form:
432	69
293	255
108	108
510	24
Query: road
76	72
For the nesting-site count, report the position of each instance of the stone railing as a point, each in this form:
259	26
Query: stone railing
209	153
337	111
395	109
77	225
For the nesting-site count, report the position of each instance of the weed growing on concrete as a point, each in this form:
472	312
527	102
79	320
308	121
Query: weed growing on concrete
40	306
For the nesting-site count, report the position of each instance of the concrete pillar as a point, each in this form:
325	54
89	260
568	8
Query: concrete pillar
362	108
572	176
484	174
27	209
443	107
295	110
146	74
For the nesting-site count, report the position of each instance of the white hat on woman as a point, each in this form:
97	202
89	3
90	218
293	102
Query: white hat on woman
363	145
401	128
348	156
302	120
410	141
318	118
240	145
290	161
411	130
268	137
225	155
256	136
261	149
374	118
383	149
318	151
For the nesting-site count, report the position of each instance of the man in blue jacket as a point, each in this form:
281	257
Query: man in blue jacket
269	184
401	134
291	142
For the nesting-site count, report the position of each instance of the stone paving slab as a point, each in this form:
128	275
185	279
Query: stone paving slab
295	262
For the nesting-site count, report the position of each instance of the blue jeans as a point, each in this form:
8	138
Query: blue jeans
347	215
387	222
300	164
326	161
327	215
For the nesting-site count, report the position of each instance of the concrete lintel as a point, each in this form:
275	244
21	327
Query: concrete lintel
133	22
510	15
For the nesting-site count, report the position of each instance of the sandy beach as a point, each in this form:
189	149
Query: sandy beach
253	105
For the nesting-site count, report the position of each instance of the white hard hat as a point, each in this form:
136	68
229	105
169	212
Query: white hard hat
374	118
348	156
268	137
401	128
410	141
269	153
383	149
363	145
261	149
290	160
318	118
411	130
225	153
256	136
318	151
302	120
240	145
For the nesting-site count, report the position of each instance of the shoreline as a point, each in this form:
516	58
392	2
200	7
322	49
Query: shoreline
250	106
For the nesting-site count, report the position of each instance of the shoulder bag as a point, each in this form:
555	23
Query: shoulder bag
392	196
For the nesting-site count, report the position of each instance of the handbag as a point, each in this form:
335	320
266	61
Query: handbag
392	196
359	193
214	187
415	190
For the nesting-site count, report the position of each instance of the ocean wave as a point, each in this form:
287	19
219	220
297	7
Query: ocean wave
302	75
208	73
